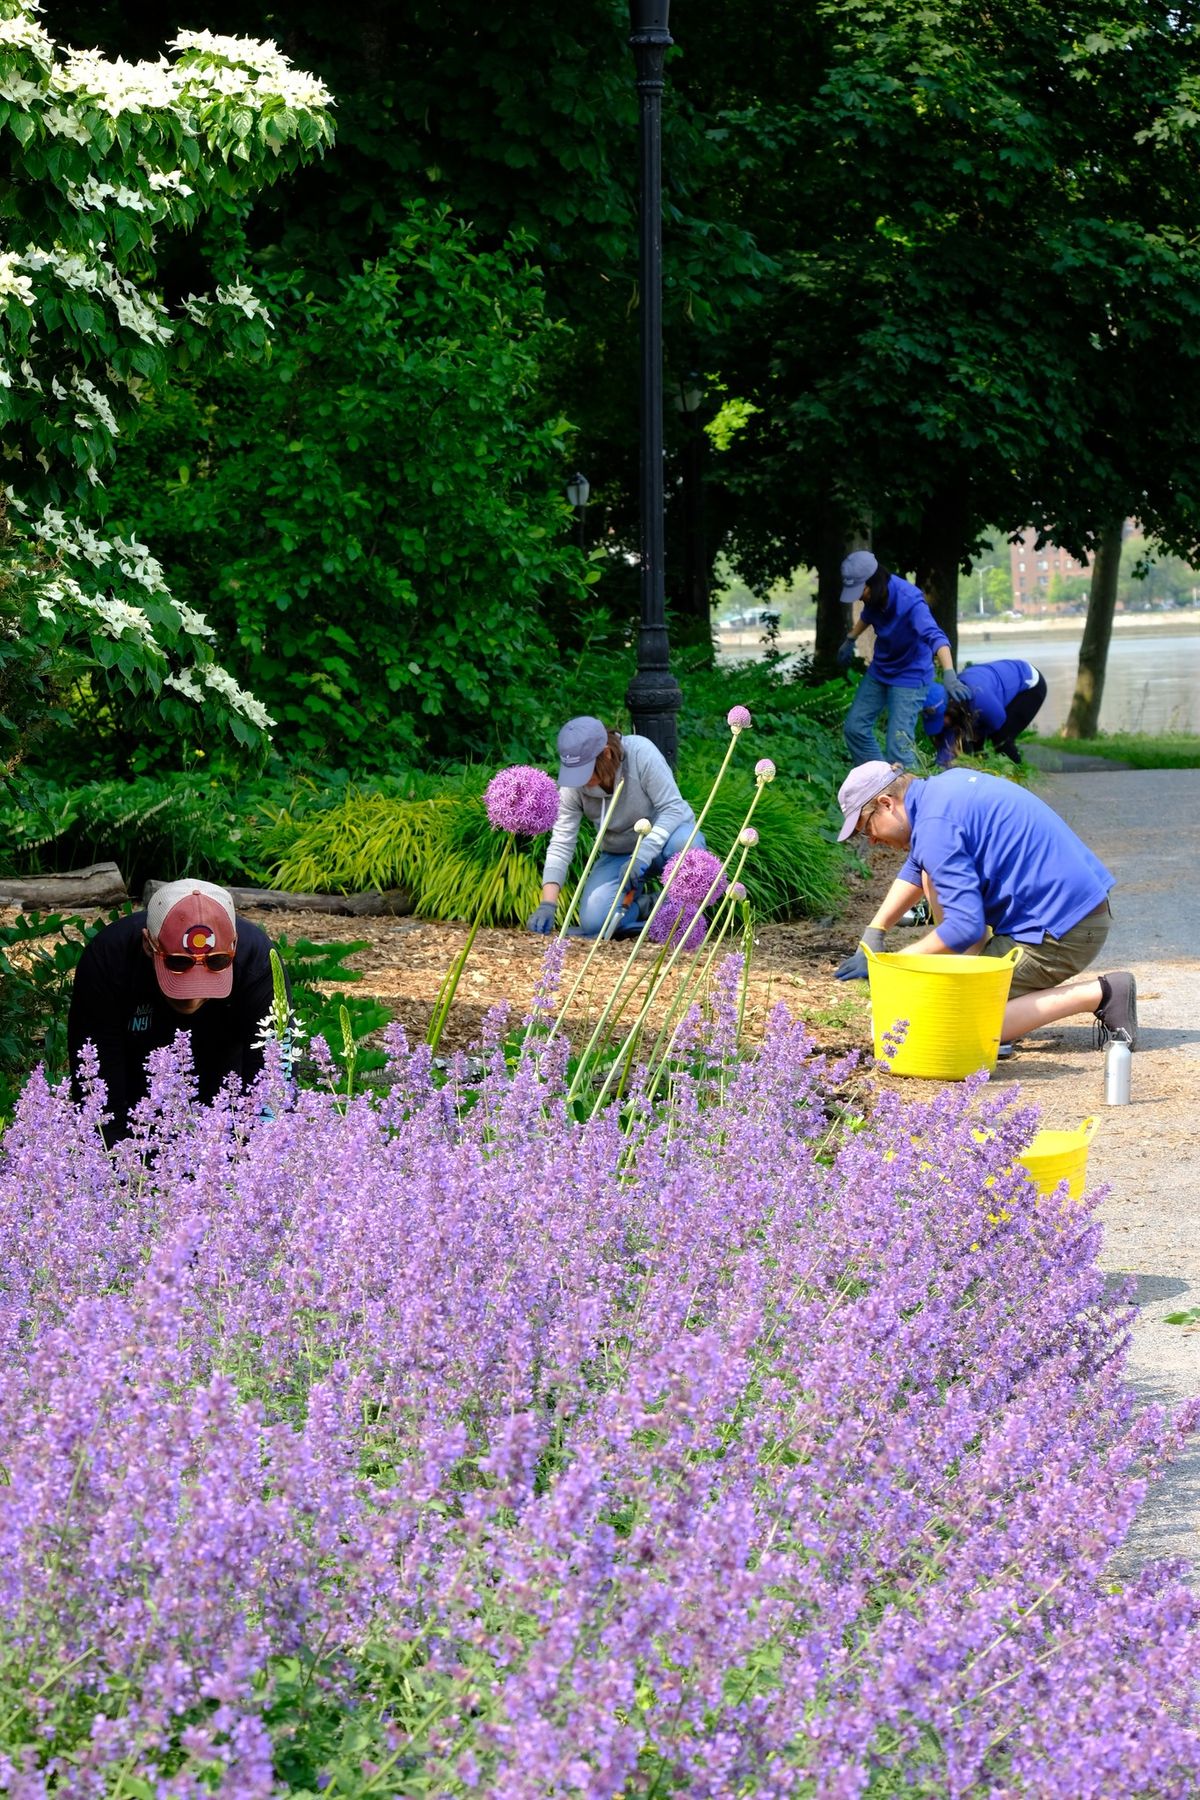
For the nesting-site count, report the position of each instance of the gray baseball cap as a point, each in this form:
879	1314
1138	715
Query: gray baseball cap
861	786
857	570
579	744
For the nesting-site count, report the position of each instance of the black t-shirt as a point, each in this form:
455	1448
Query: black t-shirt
117	1005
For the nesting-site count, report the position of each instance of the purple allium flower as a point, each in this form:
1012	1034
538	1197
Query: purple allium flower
737	890
765	769
737	718
748	836
678	924
522	800
693	878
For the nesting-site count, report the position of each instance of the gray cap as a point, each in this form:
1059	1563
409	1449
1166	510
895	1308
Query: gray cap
861	786
857	570
579	744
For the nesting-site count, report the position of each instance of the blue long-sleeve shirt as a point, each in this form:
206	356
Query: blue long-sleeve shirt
994	686
998	856
907	636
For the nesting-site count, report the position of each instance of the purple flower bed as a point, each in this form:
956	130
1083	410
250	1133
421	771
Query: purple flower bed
445	1444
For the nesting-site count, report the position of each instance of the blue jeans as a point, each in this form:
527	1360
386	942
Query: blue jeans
606	877
903	707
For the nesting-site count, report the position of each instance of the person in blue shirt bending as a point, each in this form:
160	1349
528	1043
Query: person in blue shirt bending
1005	697
991	858
908	641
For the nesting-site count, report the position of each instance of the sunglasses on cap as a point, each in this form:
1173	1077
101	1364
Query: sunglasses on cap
180	961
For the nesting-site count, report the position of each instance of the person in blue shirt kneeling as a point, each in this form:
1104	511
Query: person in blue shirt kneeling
1004	699
998	867
908	642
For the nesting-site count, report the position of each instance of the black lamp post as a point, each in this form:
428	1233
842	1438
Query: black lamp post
654	696
694	596
578	489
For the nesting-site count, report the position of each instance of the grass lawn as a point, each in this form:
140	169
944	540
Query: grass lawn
1173	750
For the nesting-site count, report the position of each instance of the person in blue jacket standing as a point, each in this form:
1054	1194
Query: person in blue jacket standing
908	642
1006	696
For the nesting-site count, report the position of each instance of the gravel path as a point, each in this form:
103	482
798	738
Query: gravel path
1145	825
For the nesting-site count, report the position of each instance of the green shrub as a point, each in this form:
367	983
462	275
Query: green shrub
794	868
447	855
151	827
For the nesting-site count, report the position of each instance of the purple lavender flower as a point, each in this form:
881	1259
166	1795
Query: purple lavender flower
597	1435
737	718
523	800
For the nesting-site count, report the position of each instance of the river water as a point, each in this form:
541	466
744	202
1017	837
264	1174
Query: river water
1152	682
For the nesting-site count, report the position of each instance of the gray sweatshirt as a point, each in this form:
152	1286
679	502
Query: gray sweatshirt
650	792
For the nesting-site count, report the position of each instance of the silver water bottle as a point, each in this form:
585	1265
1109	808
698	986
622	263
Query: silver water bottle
1118	1060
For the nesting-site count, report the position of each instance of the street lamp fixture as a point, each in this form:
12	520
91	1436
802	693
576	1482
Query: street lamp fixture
689	395
578	489
654	696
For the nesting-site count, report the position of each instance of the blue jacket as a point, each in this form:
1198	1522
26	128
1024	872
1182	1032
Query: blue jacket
998	856
994	686
906	637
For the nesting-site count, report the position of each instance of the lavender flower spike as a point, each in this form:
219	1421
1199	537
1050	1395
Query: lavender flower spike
522	800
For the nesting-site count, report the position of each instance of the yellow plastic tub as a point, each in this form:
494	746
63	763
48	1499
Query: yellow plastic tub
954	1006
1056	1156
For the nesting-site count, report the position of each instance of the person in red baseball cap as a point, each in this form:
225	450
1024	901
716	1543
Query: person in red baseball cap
186	963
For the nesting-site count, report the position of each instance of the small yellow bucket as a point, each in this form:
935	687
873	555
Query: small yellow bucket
1056	1156
954	1006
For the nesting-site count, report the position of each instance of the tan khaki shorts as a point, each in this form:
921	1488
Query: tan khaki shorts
1054	960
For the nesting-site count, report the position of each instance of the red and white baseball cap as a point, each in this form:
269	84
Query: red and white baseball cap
193	919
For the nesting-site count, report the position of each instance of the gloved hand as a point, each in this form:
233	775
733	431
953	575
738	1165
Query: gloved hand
541	919
635	885
855	967
956	688
845	655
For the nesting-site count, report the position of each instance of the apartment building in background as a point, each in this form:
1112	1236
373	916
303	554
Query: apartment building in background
1033	570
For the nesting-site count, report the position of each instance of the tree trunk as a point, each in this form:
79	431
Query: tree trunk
940	554
1083	720
833	619
101	884
373	902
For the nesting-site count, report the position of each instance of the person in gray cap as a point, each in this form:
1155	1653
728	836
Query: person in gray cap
908	641
592	760
998	867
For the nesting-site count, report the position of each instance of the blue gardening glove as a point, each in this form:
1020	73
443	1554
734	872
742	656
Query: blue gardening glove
855	967
845	655
541	919
956	688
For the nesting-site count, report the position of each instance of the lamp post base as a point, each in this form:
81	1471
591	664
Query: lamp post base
654	698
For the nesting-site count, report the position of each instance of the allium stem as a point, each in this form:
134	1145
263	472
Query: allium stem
449	987
713	885
587	1057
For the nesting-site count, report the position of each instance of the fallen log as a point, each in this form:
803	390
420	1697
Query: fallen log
101	884
372	903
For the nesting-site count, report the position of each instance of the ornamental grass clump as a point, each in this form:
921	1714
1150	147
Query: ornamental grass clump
431	1441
